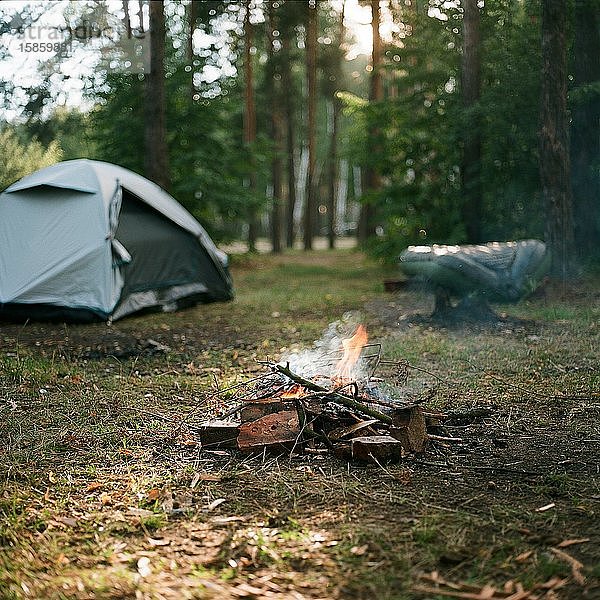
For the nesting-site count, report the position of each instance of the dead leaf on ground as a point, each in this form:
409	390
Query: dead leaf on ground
512	590
153	494
226	520
139	512
192	369
167	502
575	565
203	477
157	542
523	556
143	566
187	439
567	543
215	503
245	590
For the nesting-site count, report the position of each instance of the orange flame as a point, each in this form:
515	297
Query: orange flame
352	349
295	391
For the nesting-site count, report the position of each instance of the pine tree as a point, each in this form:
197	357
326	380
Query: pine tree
276	126
554	155
471	157
250	122
156	153
585	131
311	74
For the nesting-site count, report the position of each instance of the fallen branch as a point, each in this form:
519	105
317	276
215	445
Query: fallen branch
511	590
340	398
576	566
443	438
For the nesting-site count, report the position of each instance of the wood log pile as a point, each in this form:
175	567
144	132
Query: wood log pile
287	413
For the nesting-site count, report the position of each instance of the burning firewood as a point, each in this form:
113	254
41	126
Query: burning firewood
336	396
338	407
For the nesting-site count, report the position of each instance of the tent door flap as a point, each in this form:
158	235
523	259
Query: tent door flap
120	255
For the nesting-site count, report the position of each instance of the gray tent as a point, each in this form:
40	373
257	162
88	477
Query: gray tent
84	240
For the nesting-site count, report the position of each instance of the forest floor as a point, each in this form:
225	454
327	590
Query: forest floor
105	493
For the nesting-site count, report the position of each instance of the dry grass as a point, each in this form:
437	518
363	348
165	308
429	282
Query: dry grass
105	494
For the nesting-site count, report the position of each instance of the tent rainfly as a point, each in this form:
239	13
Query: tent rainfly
85	241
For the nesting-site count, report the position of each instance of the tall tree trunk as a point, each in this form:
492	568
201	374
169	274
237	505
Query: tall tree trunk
366	224
554	143
192	18
311	68
376	83
274	85
141	14
471	89
156	155
332	175
585	131
127	18
290	142
333	157
250	125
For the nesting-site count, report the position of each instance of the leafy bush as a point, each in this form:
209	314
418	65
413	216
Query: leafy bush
21	158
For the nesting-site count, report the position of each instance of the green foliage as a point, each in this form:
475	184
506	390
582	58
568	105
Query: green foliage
206	159
69	128
413	138
21	158
420	129
117	125
209	165
509	108
355	111
416	139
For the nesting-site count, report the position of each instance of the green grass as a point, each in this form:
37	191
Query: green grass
98	460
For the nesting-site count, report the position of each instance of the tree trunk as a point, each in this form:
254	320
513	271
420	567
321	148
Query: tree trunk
141	14
290	141
156	156
333	157
274	85
554	143
366	224
376	83
332	175
311	71
585	131
471	88
250	126
192	16
127	18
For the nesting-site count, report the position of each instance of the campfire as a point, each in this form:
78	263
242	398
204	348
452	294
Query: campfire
325	400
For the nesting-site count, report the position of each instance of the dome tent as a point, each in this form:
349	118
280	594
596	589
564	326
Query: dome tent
84	240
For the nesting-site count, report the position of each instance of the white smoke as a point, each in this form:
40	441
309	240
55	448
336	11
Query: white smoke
322	359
